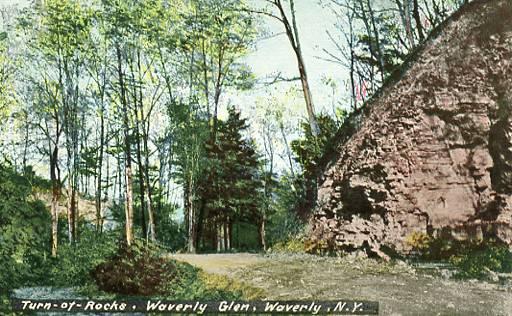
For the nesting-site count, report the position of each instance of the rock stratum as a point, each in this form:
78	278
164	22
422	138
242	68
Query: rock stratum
433	151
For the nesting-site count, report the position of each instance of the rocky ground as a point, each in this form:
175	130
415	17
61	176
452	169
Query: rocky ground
400	289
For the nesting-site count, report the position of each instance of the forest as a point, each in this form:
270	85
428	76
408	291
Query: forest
144	123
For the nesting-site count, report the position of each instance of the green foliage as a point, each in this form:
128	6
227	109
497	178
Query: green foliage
73	265
143	271
24	231
245	237
283	222
137	271
190	133
170	233
472	259
393	55
220	287
232	189
475	261
65	27
309	151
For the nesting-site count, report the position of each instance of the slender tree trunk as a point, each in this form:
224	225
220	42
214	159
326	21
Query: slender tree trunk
200	226
220	237
107	186
191	217
71	210
99	215
25	147
142	189
417	19
128	156
225	235
145	132
288	151
230	233
371	30
292	33
119	176
55	198
76	214
262	233
408	23
151	218
352	70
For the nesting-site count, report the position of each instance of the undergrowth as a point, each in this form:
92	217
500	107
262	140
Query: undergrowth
140	271
476	259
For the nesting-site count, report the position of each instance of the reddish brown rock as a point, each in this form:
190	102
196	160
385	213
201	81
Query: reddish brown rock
433	152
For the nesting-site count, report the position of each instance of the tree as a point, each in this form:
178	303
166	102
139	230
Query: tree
233	188
191	133
119	34
371	44
58	31
222	33
289	22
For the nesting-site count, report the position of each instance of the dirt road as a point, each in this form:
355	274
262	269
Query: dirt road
400	289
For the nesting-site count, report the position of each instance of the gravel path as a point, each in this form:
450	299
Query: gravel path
400	289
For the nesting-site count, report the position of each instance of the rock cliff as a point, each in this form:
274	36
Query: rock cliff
433	152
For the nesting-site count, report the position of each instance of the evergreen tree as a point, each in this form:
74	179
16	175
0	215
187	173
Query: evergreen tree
232	189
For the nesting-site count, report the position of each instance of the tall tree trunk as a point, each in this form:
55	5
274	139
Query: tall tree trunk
371	30
128	155
76	211
99	215
142	189
71	210
69	214
137	102
225	234
292	33
151	218
230	233
220	237
55	198
352	70
417	19
200	225
408	23
25	146
145	132
191	217
377	40
288	150
119	175
262	234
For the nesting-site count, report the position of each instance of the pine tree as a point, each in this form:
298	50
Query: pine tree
232	188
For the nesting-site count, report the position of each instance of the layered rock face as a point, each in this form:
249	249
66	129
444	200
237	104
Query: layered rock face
433	152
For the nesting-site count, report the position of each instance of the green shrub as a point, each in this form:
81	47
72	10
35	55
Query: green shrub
477	260
472	259
74	263
143	271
